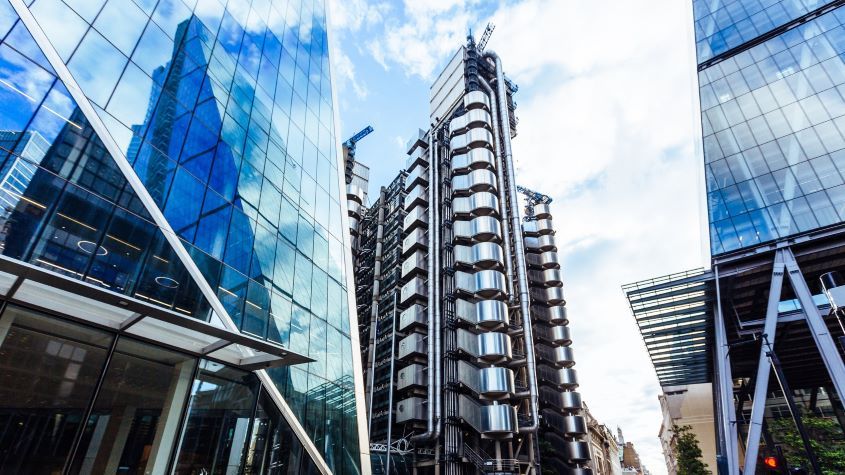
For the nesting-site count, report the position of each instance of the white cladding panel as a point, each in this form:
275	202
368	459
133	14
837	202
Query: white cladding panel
449	87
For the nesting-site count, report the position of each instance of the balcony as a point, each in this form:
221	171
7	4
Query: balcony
416	239
411	376
481	229
411	409
484	255
415	289
494	421
562	378
479	204
548	296
412	345
473	182
471	119
413	317
540	243
556	315
488	346
477	158
546	260
538	227
484	313
418	195
417	217
484	284
473	138
415	265
542	211
476	99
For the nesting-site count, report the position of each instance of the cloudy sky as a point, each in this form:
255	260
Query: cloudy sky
607	112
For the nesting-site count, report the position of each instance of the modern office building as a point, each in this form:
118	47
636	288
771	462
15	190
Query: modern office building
174	266
771	77
465	342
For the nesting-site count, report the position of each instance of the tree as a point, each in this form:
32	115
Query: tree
825	439
688	452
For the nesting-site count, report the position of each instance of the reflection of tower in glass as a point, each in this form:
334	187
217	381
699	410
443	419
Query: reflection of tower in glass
186	124
26	149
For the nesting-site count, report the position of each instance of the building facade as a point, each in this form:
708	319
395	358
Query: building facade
692	406
174	263
605	452
468	365
770	84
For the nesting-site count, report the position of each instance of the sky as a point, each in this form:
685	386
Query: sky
607	109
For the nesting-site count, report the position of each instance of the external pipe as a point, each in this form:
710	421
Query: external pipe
519	245
374	305
433	276
500	175
438	303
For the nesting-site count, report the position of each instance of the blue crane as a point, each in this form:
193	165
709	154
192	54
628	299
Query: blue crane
351	141
349	148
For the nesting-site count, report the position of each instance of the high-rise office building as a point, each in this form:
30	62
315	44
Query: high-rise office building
174	249
465	343
771	77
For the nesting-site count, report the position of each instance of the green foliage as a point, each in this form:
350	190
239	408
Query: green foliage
826	439
688	452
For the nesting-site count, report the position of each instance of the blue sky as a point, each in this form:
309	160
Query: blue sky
608	127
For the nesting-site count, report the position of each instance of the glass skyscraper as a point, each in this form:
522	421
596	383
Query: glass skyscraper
174	273
771	76
760	325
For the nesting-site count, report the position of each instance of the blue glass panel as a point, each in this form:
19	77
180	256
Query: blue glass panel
200	100
773	118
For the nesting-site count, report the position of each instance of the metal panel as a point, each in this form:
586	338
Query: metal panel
413	344
411	409
410	376
472	118
474	159
448	88
414	315
472	138
485	313
472	182
481	228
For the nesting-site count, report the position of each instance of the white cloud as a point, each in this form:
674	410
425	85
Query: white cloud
607	127
350	17
430	31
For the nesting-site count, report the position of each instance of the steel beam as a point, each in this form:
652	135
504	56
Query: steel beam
758	407
724	383
815	322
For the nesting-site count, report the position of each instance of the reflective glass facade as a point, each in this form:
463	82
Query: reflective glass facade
224	112
774	132
724	24
113	404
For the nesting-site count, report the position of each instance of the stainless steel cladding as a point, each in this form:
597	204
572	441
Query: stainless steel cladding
477	158
411	376
484	313
480	229
411	409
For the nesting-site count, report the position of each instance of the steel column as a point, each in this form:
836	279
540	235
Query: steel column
758	407
725	385
817	325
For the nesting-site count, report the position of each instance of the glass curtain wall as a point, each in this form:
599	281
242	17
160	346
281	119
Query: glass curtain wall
224	111
106	404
